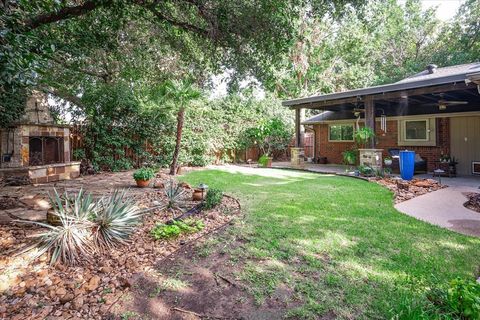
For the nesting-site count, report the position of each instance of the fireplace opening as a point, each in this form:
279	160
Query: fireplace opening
45	150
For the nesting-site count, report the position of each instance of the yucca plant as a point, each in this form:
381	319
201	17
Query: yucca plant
68	242
116	219
174	193
85	226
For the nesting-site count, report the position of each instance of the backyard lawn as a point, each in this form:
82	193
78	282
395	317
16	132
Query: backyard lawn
333	246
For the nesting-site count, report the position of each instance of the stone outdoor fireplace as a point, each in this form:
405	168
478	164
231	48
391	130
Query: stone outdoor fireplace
45	150
36	147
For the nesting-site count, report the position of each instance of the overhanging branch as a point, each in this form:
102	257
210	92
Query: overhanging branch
64	13
180	24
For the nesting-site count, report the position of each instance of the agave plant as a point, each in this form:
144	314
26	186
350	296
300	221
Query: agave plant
174	193
116	219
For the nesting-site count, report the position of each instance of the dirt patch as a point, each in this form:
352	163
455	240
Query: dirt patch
405	190
188	285
473	202
89	291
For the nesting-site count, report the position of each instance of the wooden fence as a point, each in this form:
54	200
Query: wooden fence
77	142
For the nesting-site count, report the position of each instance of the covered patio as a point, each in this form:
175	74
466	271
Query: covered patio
436	113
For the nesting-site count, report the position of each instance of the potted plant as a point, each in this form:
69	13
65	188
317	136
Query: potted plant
388	161
363	135
350	157
143	176
445	158
265	161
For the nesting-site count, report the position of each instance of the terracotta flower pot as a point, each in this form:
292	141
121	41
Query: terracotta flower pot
142	183
52	218
269	162
197	194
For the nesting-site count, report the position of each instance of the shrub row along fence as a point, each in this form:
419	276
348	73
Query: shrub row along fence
78	143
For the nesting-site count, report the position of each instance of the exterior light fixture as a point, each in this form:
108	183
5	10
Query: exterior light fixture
203	187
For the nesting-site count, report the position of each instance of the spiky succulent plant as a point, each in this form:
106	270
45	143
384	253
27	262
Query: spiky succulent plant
85	226
116	219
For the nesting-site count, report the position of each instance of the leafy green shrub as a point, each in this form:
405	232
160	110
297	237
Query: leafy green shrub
213	198
78	154
269	135
365	170
121	164
167	231
461	299
144	174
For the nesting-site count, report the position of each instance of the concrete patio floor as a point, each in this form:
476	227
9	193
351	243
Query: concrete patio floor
445	207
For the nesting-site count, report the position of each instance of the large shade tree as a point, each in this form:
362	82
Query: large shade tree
380	42
244	36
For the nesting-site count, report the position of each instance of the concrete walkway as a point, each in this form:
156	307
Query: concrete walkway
445	207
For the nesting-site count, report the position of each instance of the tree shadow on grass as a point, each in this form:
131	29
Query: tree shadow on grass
374	250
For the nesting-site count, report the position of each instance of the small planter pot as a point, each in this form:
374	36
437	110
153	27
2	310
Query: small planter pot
142	183
387	162
198	194
269	162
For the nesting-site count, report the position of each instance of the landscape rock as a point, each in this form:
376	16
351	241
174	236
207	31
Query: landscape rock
405	190
93	283
40	291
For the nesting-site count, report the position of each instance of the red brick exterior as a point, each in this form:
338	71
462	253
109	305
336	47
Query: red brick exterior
333	150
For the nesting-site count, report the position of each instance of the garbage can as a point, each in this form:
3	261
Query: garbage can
407	164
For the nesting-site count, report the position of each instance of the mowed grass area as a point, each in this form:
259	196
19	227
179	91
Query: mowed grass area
338	245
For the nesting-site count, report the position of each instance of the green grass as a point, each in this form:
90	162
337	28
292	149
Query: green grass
339	245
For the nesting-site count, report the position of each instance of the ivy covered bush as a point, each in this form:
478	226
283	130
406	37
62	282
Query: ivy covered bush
118	122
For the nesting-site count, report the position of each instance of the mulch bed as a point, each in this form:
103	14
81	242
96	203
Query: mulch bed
38	291
405	190
473	202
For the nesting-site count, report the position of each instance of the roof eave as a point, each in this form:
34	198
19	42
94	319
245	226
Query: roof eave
376	90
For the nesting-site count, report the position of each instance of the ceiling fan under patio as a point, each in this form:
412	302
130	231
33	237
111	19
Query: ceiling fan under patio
443	103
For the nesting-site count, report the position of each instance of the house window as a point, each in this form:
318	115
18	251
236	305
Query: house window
340	132
416	130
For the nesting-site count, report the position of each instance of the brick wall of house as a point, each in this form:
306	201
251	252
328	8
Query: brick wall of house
333	150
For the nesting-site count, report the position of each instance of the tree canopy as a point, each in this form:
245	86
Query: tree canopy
107	61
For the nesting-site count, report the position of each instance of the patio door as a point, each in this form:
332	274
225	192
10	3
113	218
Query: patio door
465	142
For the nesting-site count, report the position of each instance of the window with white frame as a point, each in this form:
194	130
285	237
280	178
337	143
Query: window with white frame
340	132
416	130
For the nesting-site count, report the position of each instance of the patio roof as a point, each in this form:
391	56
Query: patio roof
461	75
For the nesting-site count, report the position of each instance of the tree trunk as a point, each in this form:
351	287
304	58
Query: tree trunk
180	119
